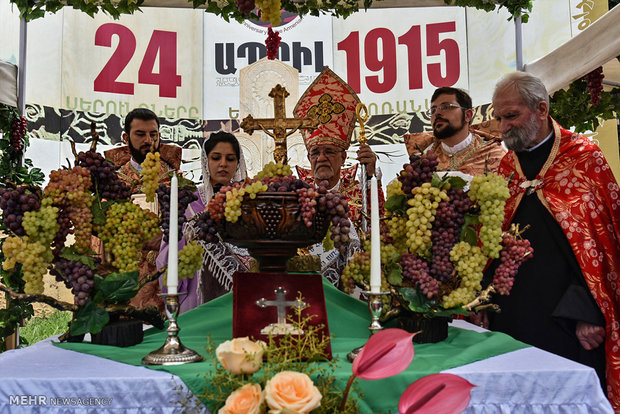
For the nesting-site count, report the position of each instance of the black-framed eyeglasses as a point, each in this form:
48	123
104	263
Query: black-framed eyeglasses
442	108
328	152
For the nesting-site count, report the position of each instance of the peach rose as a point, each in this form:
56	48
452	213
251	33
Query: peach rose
244	400
292	391
240	355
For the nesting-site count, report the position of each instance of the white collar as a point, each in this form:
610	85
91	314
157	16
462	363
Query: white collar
458	147
135	165
540	143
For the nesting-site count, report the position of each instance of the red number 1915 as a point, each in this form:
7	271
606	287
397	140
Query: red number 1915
386	63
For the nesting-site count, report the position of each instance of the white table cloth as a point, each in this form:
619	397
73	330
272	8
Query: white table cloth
525	381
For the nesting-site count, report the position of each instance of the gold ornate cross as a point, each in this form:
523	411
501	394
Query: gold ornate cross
280	126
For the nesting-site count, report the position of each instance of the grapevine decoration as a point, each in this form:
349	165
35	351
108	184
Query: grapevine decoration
594	81
574	107
87	200
244	9
437	239
272	42
19	195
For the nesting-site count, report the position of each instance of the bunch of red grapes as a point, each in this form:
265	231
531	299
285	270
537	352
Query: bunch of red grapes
18	132
272	43
595	85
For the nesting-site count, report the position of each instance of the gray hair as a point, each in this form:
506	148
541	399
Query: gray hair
531	89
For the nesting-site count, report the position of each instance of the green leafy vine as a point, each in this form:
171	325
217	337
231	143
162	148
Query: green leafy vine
572	108
516	8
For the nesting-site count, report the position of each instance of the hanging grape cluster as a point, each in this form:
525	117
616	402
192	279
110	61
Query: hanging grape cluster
18	132
272	43
594	81
185	197
105	180
14	202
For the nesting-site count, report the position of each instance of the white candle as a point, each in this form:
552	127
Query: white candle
173	237
375	241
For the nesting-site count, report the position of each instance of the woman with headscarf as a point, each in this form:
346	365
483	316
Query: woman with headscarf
222	163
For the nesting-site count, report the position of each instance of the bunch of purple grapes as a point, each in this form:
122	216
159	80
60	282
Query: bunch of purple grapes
336	207
416	270
18	132
419	170
595	85
79	277
65	228
245	6
14	202
446	232
185	197
514	252
284	184
207	230
103	176
307	200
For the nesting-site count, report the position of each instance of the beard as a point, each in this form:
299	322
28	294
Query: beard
520	139
137	153
449	129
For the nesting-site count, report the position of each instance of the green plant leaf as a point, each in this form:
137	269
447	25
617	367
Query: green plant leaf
396	203
118	287
417	302
70	254
469	231
394	276
99	210
89	319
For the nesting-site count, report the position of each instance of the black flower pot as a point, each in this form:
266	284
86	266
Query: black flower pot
430	330
123	332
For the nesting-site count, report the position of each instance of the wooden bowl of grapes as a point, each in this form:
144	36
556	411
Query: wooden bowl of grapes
272	227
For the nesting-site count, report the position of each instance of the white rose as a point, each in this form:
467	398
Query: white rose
240	355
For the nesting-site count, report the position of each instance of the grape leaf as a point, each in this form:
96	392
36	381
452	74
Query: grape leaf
396	203
394	276
89	319
98	210
184	182
417	302
118	287
469	231
70	254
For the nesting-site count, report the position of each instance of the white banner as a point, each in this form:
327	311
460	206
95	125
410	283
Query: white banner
306	45
395	58
146	60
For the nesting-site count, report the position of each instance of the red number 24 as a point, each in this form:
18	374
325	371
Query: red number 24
162	42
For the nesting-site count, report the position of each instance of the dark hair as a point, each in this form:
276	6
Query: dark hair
461	96
139	113
222	136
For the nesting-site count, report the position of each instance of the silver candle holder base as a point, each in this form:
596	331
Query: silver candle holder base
172	352
375	306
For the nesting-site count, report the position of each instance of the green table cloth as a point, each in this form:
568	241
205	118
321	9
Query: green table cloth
348	323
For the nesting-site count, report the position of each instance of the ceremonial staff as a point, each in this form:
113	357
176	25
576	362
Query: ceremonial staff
362	116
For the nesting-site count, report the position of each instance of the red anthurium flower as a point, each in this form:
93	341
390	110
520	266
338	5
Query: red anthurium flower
437	393
387	352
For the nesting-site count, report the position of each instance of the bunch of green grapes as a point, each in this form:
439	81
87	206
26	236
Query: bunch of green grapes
149	175
490	191
357	272
42	225
421	214
394	187
272	169
388	251
270	11
234	199
34	258
126	228
232	206
469	262
190	259
69	190
397	226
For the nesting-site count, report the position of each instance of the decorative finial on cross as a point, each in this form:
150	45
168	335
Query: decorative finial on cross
280	126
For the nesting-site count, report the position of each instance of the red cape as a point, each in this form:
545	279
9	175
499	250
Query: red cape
578	188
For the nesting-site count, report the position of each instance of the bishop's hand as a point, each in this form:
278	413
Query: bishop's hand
590	336
365	155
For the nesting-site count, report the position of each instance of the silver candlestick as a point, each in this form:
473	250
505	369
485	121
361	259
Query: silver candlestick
375	306
172	351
